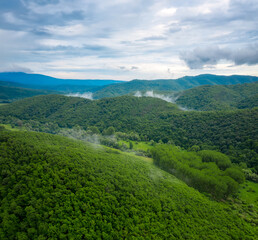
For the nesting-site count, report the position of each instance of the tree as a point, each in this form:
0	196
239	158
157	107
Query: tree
109	131
93	130
236	174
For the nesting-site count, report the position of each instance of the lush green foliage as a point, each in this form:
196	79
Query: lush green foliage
249	102
220	97
232	132
221	160
248	193
55	188
203	171
170	85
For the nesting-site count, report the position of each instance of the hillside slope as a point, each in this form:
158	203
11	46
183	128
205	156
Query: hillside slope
56	188
68	111
232	132
170	85
220	97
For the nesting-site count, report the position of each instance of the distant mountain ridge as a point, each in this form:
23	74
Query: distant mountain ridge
171	85
43	80
114	88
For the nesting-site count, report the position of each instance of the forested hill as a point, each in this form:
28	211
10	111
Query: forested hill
170	85
232	132
9	93
58	188
220	97
68	111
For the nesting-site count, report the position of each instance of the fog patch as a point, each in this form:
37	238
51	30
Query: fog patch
87	95
80	134
167	98
185	108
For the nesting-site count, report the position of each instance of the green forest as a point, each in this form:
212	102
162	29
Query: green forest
56	188
231	132
129	167
208	171
219	97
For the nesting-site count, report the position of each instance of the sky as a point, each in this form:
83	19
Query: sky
129	39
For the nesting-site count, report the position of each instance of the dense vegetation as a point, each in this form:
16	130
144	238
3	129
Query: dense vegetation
220	97
10	93
232	132
208	171
55	188
170	85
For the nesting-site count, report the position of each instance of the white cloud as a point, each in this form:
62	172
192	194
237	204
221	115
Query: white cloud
167	12
14	68
10	18
91	38
87	95
69	31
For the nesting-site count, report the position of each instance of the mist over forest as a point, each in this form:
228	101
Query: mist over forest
114	155
129	119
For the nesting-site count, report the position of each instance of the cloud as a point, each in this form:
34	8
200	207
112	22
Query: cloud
87	95
153	38
152	94
174	27
167	12
248	55
49	35
200	57
70	30
15	68
134	68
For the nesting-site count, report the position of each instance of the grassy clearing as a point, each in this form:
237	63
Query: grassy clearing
146	159
138	145
9	127
246	204
142	146
248	192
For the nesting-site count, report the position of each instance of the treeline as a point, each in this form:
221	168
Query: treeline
231	132
208	171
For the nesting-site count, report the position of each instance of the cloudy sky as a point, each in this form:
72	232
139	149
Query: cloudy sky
128	39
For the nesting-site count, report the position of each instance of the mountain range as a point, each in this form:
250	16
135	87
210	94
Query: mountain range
170	85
